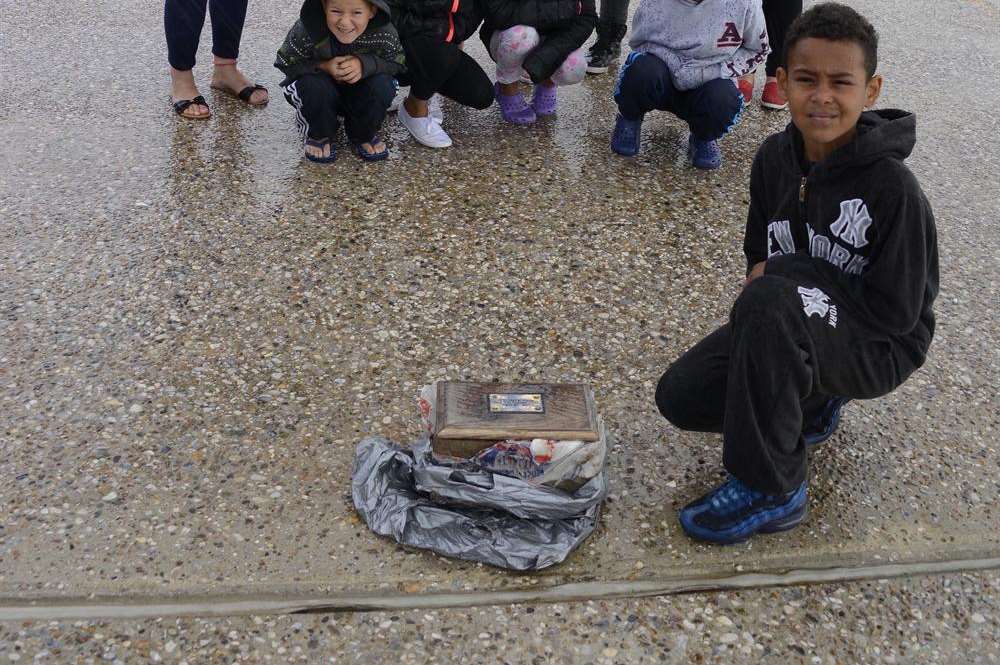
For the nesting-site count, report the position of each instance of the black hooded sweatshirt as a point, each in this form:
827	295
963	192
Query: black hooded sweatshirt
310	42
856	225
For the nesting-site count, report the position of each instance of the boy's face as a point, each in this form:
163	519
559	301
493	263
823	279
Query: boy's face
827	87
347	19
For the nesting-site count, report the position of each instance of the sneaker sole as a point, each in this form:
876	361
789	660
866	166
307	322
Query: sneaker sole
773	106
596	70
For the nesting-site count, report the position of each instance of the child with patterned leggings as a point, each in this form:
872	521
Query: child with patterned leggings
541	38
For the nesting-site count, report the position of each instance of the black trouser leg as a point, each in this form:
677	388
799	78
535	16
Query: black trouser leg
790	341
778	14
316	100
786	349
182	23
228	17
691	394
436	66
611	21
364	105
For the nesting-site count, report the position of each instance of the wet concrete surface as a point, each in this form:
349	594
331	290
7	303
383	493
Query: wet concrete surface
948	619
198	325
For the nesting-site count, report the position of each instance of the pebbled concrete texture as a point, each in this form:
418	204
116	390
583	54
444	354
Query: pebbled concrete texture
198	325
948	619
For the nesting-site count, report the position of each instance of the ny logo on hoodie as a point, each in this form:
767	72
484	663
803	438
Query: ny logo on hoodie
852	225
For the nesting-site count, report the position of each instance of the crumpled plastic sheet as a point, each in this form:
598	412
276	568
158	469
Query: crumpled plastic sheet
477	516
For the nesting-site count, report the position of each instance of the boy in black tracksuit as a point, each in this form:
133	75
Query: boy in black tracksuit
340	59
842	272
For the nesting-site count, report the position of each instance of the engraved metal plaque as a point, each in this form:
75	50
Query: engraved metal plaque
516	403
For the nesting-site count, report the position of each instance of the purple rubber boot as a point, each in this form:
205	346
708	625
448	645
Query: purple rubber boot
544	100
514	108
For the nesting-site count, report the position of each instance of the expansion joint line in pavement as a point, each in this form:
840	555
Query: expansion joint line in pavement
16	609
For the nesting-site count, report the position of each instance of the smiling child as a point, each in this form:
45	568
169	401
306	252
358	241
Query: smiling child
339	60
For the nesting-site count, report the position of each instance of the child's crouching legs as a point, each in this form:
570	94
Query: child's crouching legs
509	48
572	70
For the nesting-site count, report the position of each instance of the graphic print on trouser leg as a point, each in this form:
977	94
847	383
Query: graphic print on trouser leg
315	99
509	48
790	341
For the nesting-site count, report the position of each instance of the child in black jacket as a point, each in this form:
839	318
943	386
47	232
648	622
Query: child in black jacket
542	38
340	59
432	32
842	272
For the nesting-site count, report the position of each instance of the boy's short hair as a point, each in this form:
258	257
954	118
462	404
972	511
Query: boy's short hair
838	23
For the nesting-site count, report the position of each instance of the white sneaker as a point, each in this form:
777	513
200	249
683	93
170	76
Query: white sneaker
425	130
434	107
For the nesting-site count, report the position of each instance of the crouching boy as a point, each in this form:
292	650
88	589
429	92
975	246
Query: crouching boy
842	273
687	55
339	60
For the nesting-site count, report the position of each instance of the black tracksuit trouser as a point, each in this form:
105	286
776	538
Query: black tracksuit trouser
184	19
778	15
436	66
786	349
320	101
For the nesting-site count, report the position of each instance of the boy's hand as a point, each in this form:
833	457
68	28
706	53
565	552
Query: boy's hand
755	272
346	69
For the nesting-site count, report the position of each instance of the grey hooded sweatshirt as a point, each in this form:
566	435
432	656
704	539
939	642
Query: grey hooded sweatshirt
702	40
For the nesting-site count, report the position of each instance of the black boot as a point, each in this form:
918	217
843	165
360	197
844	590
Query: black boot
606	49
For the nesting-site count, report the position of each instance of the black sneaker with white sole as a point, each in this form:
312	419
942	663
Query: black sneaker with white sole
601	55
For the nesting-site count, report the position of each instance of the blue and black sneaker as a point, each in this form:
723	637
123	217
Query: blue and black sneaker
825	424
733	512
704	154
625	138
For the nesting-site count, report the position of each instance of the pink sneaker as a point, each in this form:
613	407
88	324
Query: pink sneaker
514	108
772	98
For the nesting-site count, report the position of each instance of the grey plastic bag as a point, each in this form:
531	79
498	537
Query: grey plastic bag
478	516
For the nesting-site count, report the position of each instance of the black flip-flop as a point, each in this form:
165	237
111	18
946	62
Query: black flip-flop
181	105
321	143
372	156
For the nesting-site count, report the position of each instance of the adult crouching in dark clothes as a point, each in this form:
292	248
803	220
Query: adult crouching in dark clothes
432	32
